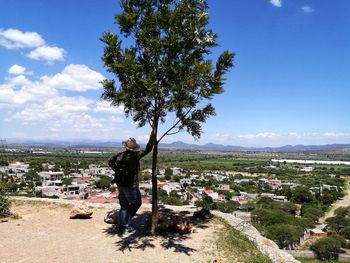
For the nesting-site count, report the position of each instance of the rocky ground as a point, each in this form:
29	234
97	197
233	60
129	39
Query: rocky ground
44	233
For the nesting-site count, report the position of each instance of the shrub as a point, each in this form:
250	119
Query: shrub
284	234
226	207
326	248
345	232
341	240
4	201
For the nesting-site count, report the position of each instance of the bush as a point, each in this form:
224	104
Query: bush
345	232
226	207
4	201
326	248
341	240
284	234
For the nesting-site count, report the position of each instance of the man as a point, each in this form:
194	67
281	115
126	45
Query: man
129	196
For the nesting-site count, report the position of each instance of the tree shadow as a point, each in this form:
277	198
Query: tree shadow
142	239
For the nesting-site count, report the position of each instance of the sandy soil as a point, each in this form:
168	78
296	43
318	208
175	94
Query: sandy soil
44	233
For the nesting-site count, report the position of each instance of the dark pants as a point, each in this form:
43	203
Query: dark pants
130	202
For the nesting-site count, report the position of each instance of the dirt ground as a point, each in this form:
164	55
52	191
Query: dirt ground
44	233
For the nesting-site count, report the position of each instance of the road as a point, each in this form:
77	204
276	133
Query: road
343	202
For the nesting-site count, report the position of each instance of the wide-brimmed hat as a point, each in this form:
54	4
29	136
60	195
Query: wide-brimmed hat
131	145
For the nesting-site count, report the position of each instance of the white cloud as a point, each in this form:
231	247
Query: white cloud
18	70
105	106
15	39
337	134
47	53
20	91
41	105
307	9
277	3
266	135
75	77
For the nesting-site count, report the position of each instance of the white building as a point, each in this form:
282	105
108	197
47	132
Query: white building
49	191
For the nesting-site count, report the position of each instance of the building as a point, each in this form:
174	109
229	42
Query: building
307	169
75	189
211	193
51	176
274	183
224	187
169	187
48	191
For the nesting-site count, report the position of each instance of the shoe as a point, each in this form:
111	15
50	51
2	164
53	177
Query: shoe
129	229
125	231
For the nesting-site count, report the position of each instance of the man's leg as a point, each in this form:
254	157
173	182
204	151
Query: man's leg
124	215
135	202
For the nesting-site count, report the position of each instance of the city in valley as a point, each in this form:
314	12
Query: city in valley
293	198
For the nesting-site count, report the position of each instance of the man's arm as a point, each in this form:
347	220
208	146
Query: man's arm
111	162
148	148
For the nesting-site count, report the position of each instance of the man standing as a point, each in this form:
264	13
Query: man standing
129	193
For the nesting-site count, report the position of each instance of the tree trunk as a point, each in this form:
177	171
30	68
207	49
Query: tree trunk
154	190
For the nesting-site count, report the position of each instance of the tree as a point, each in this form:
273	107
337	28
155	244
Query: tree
104	182
4	201
345	232
326	248
165	71
284	234
302	195
338	222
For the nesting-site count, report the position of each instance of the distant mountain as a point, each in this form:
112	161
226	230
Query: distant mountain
220	147
178	145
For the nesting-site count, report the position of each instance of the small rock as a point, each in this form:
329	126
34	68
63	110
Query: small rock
80	212
111	217
3	220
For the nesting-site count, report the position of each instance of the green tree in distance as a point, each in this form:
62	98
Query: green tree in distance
165	70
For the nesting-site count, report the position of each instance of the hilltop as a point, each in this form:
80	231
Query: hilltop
44	233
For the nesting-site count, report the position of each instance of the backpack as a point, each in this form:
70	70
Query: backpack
122	176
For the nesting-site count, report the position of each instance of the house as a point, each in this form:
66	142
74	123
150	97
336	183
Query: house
224	187
280	198
211	193
274	183
240	181
169	187
48	191
18	167
51	176
221	197
75	189
318	233
330	187
249	196
269	195
307	169
218	177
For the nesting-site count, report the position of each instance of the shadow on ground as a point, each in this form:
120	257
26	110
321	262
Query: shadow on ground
141	238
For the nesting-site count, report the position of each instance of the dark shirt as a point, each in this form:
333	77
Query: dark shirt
133	160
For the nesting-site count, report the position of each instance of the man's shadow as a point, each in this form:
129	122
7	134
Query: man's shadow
142	239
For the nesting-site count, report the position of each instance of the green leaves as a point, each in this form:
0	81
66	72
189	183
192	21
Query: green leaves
165	68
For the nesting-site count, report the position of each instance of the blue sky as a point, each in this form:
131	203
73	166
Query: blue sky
290	83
